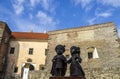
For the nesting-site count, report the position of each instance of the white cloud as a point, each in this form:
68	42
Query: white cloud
18	9
26	25
104	14
100	14
114	3
86	4
45	19
48	5
91	21
20	1
34	2
21	6
83	3
39	23
45	4
18	6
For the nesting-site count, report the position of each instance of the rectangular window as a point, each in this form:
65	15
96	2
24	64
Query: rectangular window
12	50
46	51
90	55
30	51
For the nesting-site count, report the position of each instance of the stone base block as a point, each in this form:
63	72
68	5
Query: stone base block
66	78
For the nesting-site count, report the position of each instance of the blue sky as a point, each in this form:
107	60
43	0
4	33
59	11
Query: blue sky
48	15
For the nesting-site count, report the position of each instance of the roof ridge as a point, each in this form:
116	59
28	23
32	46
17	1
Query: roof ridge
30	32
27	35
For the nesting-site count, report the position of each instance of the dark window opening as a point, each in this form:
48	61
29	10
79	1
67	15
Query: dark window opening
46	51
31	67
42	68
90	55
30	51
16	69
12	50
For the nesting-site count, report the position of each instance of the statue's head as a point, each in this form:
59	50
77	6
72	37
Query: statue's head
60	49
78	50
73	49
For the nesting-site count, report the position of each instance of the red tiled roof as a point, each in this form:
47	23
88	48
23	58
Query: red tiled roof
29	35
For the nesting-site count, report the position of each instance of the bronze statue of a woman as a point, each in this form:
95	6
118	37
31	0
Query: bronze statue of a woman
75	67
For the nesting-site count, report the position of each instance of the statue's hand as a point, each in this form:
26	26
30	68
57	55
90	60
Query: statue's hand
53	60
77	60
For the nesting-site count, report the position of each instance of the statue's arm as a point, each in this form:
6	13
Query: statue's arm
65	60
54	59
69	61
79	59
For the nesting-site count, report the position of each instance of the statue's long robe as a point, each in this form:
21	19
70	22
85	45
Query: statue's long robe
75	67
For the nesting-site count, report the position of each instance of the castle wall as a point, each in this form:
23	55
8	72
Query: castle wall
103	37
91	73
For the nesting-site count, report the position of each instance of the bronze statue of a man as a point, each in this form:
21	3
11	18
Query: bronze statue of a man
59	64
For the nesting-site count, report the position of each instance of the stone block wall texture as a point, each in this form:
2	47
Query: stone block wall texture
103	73
102	36
1	54
91	73
5	34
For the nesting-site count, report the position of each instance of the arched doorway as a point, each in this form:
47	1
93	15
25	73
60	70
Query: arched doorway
31	67
28	66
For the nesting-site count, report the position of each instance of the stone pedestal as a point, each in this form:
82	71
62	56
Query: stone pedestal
66	78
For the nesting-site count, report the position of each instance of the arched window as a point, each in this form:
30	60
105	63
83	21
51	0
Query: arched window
92	53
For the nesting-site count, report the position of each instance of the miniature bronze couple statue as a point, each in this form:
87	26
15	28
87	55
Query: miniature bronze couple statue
59	65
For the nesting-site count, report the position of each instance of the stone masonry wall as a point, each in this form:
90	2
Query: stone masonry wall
103	73
1	36
103	37
92	73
